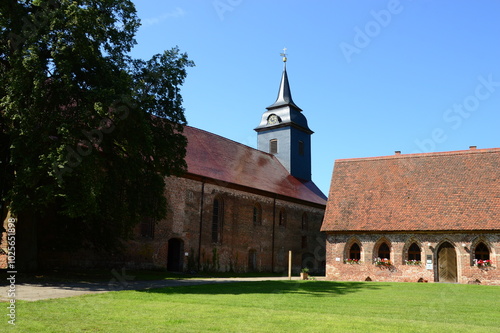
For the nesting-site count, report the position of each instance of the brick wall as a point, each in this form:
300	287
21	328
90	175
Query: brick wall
239	235
338	245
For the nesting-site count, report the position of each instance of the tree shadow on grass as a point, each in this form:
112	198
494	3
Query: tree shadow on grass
311	288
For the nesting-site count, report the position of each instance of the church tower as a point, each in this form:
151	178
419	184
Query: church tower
283	132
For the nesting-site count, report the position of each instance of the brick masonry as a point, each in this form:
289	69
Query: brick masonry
239	234
338	246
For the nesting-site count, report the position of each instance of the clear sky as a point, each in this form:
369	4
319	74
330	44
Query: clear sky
372	77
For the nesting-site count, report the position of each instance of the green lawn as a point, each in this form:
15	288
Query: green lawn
277	306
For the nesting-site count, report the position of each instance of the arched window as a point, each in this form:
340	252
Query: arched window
414	252
305	222
217	220
282	218
355	252
384	252
481	252
257	214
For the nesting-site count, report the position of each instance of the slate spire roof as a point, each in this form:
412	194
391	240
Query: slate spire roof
284	94
288	113
447	191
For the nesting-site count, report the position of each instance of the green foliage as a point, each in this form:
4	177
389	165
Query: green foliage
87	133
273	306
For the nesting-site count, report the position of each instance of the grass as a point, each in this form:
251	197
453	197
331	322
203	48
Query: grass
273	306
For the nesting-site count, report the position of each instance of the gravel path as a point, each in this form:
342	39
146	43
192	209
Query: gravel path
35	292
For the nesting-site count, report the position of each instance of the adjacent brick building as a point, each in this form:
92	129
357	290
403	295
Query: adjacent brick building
420	217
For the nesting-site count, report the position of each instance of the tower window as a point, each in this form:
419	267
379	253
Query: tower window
301	148
273	146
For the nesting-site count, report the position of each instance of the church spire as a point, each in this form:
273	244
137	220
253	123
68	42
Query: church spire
284	94
283	132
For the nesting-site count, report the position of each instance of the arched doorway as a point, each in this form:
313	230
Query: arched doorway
447	263
175	258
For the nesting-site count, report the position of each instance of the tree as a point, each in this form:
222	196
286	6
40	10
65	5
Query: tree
87	133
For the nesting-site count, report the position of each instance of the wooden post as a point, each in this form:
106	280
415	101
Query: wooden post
289	265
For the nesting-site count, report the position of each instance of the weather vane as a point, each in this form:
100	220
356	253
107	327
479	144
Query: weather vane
284	54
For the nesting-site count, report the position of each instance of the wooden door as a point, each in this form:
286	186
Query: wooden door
447	263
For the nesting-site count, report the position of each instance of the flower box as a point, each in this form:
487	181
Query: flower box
482	263
352	261
382	262
413	262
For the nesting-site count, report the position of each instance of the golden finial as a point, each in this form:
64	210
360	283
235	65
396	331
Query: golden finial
284	54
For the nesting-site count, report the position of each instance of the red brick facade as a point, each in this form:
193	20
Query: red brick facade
464	245
243	245
447	204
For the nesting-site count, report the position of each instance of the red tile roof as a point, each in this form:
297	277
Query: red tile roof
450	191
228	162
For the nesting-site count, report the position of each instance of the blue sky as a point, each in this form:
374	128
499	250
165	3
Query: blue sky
372	77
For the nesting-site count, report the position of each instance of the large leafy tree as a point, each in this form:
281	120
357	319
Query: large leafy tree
87	133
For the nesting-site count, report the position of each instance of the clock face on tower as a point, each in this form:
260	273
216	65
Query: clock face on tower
272	119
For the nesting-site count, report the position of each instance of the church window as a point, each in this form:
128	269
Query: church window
217	220
384	252
481	252
301	148
273	146
257	214
282	218
304	222
414	252
148	228
355	252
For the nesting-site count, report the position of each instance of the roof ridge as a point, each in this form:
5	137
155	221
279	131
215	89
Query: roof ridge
227	139
418	155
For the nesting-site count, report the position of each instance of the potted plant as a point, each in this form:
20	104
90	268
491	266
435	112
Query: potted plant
482	263
352	261
304	274
382	262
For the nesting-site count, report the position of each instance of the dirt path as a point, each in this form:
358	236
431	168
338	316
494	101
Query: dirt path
35	292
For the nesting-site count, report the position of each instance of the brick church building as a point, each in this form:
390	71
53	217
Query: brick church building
236	209
239	208
419	217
